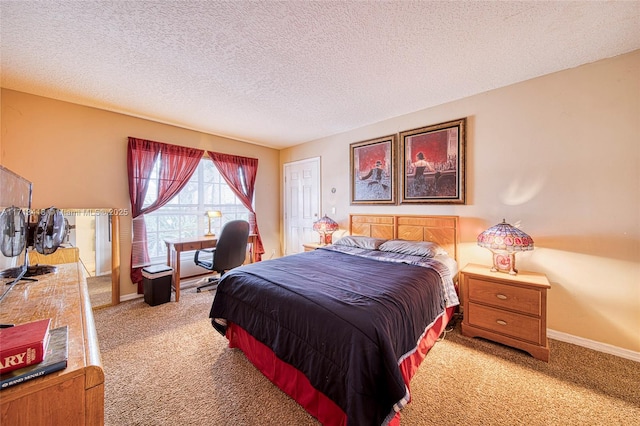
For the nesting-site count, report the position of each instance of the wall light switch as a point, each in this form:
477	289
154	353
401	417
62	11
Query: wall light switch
333	210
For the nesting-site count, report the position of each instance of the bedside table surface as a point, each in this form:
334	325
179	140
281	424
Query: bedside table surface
312	246
523	277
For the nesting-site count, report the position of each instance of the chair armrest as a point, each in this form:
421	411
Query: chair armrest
211	250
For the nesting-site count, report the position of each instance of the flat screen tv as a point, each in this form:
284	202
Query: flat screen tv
15	207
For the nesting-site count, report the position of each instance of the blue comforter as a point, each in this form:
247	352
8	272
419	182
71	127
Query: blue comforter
344	321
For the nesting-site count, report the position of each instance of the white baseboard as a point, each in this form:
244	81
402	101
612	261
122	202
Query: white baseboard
130	296
592	344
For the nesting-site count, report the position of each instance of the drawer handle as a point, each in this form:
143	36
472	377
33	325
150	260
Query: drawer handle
501	296
501	322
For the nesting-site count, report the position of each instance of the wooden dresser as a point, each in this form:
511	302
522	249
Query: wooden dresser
75	395
62	255
509	309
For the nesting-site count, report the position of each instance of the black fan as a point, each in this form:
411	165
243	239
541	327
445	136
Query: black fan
51	231
14	231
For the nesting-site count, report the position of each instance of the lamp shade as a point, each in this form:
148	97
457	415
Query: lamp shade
326	224
504	240
505	237
210	215
325	227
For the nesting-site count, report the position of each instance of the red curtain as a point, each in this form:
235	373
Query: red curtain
240	174
177	164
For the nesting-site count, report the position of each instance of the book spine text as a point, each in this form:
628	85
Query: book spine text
20	357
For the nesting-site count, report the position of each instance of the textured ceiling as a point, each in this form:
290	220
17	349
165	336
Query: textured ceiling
287	72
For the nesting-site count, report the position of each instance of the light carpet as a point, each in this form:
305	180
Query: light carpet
166	365
99	290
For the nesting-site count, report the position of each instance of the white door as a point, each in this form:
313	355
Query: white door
301	203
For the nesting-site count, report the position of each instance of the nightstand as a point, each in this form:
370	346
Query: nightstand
509	309
312	246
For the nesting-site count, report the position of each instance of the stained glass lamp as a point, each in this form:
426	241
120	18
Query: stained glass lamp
504	241
325	227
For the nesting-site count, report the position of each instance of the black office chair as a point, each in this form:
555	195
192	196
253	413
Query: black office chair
230	251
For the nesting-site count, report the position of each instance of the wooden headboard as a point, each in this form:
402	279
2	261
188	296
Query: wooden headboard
439	229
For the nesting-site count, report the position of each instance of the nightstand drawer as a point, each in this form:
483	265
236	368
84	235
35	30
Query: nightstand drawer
525	300
507	323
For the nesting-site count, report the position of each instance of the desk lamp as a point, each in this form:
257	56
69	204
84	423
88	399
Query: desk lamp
211	214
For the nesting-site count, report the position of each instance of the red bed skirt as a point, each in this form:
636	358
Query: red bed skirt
295	384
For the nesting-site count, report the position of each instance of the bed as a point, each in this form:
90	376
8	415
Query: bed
342	329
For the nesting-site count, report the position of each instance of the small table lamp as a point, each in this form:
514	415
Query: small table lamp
504	241
325	227
210	214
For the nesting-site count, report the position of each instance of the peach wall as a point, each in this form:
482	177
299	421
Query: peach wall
559	154
76	157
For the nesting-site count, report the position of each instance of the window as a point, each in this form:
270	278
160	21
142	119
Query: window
184	216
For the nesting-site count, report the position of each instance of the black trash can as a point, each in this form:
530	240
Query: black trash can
156	283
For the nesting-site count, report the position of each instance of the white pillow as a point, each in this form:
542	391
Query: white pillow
415	248
360	241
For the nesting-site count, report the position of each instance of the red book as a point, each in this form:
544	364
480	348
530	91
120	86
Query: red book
23	345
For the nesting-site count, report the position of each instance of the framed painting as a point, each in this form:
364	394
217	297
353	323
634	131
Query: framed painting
433	164
373	171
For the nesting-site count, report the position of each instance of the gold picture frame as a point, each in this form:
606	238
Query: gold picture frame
373	171
433	164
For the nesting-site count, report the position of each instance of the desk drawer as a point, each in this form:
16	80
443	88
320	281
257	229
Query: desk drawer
191	246
208	244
